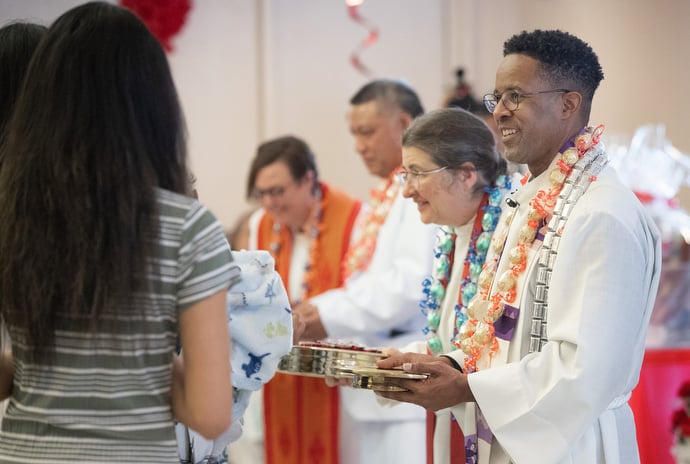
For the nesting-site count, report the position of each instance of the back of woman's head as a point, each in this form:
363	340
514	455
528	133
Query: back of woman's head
454	137
17	44
100	88
97	127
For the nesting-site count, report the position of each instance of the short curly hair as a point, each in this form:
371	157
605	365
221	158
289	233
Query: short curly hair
564	58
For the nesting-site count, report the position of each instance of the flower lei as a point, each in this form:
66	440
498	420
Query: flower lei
477	337
315	228
359	254
434	286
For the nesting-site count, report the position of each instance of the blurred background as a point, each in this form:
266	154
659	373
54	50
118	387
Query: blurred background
249	70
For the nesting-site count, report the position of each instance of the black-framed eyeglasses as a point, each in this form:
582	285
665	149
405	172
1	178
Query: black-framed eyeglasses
273	192
511	99
413	175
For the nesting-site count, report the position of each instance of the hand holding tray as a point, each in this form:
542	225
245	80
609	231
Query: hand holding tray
324	359
382	379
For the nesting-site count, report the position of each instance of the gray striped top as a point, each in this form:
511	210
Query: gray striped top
106	397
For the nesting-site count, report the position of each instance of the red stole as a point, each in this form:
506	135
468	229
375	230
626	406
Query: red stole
457	440
301	413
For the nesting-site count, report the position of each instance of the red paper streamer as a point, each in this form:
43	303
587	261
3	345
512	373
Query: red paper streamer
371	38
164	18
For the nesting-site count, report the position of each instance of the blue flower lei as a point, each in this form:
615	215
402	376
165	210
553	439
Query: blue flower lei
434	286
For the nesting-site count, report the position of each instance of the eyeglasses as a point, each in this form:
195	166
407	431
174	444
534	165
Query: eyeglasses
512	98
273	192
413	175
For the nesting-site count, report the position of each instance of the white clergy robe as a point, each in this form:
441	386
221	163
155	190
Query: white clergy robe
568	403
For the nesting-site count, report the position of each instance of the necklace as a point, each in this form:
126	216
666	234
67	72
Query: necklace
434	286
314	227
477	337
359	254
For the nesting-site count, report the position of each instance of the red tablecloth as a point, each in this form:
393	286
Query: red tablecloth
654	400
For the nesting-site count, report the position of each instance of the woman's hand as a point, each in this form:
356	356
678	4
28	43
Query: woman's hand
6	374
309	314
298	327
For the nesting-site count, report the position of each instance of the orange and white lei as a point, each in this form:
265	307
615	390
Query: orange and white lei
359	254
477	337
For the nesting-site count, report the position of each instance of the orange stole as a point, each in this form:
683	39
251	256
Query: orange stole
301	413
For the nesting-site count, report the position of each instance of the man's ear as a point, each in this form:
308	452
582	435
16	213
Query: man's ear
308	177
572	101
405	120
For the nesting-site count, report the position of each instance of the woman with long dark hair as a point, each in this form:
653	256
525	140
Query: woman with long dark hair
105	260
18	40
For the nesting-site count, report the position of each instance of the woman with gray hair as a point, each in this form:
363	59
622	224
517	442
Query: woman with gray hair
454	174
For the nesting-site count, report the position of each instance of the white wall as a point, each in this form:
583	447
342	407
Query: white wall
216	69
643	46
247	70
309	78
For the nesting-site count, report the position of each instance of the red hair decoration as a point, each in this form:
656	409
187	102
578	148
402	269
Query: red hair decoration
164	18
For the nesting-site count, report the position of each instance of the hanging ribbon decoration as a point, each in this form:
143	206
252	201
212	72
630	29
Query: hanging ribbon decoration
164	18
371	38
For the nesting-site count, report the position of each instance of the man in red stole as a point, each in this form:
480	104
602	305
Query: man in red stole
306	225
379	304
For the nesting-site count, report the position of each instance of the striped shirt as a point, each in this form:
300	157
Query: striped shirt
106	397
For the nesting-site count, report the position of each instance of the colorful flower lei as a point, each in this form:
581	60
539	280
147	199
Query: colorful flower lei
477	337
434	286
315	228
359	254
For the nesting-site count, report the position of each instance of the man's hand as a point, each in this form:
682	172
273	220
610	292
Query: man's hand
395	359
445	386
297	327
309	315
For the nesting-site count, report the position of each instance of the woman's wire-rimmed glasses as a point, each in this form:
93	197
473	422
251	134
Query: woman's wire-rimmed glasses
511	99
413	175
